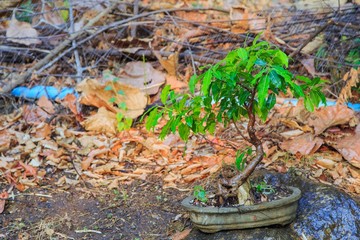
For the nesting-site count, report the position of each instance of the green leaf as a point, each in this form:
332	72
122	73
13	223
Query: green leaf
262	89
192	82
200	194
206	83
284	73
153	118
112	100
120	126
189	121
119	117
304	79
251	62
270	101
283	58
315	99
275	80
121	92
166	129
184	132
240	161
242	53
308	104
297	90
256	39
65	13
260	62
108	88
122	105
164	94
128	123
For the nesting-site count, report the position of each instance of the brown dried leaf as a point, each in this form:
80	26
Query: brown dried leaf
103	121
21	32
244	20
51	15
94	94
85	164
170	64
326	163
5	140
70	102
38	114
174	82
349	148
193	177
305	144
355	173
309	65
326	117
43	130
181	235
314	44
345	93
140	75
3	197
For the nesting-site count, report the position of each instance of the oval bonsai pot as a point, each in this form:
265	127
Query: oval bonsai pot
213	219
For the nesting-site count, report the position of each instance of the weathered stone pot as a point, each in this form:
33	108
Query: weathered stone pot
214	219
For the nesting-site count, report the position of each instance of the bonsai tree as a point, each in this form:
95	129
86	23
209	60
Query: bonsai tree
244	84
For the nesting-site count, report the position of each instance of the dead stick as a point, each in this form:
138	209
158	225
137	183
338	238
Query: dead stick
136	12
117	24
22	78
317	32
79	68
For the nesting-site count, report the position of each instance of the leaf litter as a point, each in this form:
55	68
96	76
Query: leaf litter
39	140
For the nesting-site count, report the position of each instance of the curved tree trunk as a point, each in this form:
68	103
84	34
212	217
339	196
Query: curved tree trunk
229	186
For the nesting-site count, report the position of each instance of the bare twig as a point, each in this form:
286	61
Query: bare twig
136	12
79	68
317	32
239	131
22	78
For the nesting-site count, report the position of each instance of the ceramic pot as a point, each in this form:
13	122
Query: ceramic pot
214	219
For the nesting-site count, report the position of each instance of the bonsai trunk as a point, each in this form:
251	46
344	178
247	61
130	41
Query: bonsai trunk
236	185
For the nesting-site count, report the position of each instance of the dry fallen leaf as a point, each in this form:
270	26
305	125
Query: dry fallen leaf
103	121
326	163
5	140
93	93
174	82
3	197
21	32
51	15
244	20
309	65
314	44
349	148
351	78
70	102
170	64
304	144
140	75
181	235
326	117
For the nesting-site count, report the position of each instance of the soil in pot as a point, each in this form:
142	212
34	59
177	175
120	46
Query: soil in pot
259	190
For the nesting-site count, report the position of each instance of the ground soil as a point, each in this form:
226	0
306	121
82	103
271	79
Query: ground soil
141	210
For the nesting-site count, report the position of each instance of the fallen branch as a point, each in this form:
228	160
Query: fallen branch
317	32
40	66
22	78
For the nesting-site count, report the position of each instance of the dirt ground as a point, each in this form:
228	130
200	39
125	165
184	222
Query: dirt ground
141	210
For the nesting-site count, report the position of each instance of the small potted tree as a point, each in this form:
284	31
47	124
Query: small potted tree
244	84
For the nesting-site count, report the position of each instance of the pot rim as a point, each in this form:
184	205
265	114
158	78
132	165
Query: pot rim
296	194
